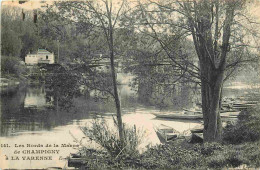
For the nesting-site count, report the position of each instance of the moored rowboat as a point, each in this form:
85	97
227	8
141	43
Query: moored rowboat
178	116
197	130
196	138
195	116
166	133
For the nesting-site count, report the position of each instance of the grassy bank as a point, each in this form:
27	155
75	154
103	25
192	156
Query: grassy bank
240	148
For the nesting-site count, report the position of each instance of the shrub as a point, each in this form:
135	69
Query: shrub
217	161
107	136
247	129
229	156
251	151
235	159
171	156
208	149
12	65
180	155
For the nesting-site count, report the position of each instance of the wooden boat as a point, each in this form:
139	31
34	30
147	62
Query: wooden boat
227	109
197	130
192	112
76	161
227	104
229	114
179	116
166	133
53	168
196	138
223	114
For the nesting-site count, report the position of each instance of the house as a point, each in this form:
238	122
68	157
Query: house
41	56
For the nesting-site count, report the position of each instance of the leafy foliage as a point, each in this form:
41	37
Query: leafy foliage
11	44
107	136
12	65
247	129
64	85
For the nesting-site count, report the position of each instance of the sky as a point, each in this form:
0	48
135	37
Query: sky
253	7
34	4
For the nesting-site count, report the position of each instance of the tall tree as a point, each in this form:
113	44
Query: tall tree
108	23
213	26
103	16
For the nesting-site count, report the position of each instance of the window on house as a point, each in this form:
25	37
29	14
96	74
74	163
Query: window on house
47	57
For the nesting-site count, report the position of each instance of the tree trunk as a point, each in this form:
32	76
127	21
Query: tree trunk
113	73
211	95
212	66
116	97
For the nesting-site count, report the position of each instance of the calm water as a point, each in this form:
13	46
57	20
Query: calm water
33	115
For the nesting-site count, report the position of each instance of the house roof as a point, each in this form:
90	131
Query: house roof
40	51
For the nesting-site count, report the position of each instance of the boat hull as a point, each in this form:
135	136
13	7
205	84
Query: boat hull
179	116
166	133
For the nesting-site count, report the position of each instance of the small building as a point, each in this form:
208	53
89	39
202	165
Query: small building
41	56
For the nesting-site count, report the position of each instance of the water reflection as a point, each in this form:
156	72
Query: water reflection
38	108
35	108
36	97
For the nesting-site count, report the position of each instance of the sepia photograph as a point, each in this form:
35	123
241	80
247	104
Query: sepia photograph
130	84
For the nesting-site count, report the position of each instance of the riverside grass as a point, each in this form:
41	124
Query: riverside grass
245	153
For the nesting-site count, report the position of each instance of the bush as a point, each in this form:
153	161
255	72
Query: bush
181	155
107	136
228	157
251	151
208	149
12	65
171	156
247	129
217	161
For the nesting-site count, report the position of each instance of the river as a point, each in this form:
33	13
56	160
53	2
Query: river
32	115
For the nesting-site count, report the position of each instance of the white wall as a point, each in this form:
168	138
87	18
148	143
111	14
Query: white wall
43	57
32	59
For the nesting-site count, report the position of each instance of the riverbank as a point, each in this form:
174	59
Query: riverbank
239	149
